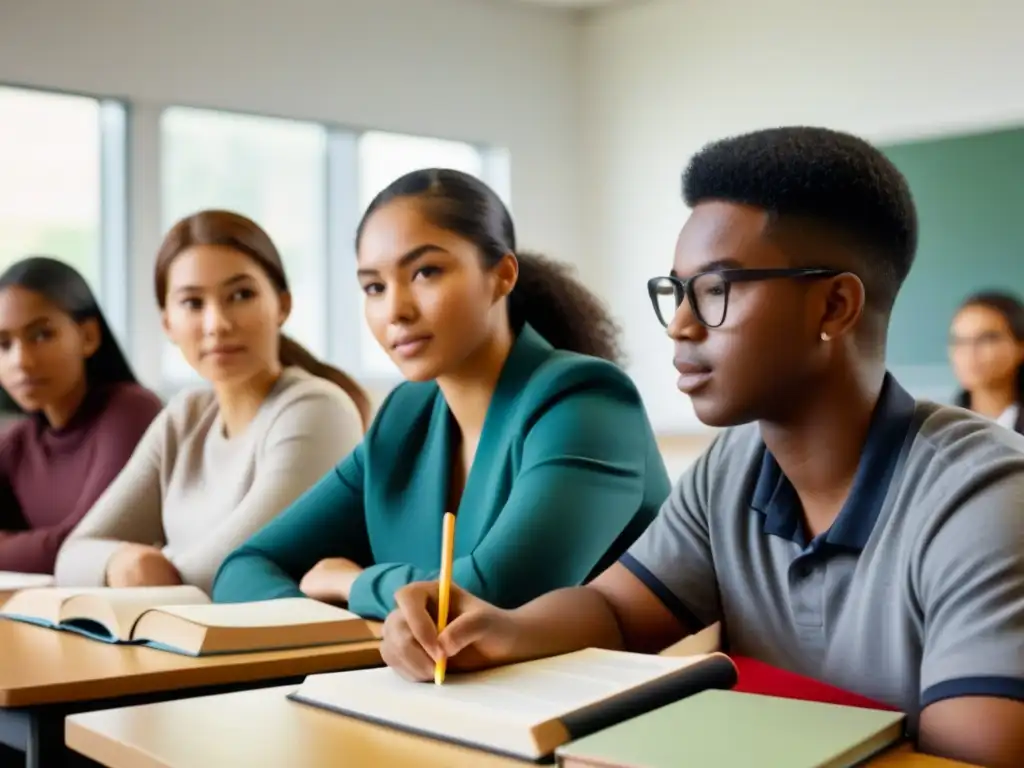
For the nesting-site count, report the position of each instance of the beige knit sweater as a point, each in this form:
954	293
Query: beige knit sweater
199	494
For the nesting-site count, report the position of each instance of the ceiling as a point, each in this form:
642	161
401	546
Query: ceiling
575	3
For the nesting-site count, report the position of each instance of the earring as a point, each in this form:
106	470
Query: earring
825	336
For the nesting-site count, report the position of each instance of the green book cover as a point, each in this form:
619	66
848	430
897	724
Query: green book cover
727	729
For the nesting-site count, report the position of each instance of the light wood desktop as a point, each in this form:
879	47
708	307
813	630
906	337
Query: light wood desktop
906	757
255	729
45	666
46	674
263	728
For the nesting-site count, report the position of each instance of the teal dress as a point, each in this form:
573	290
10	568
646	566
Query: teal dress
566	476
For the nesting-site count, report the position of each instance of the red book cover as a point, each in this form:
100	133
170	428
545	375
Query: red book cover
758	677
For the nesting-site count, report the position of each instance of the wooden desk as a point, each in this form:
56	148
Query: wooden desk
256	729
263	729
46	674
906	757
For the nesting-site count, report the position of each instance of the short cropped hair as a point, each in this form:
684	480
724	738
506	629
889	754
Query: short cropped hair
837	181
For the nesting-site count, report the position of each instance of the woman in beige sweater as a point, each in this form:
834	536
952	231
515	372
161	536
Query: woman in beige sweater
217	465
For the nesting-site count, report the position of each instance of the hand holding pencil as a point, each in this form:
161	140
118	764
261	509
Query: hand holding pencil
464	633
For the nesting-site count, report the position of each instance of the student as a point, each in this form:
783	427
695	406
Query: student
986	347
546	454
62	367
218	464
845	531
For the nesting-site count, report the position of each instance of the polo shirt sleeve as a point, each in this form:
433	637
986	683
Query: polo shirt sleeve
673	556
971	585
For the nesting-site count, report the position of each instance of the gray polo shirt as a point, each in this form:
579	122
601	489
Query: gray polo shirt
916	592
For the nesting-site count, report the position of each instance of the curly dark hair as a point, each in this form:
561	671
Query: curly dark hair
829	180
547	295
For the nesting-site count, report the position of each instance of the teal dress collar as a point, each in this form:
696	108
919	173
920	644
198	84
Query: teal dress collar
528	352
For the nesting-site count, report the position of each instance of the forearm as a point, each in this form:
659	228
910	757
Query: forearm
564	621
247	575
372	593
128	511
326	521
83	562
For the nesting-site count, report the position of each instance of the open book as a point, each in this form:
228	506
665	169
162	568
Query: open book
524	710
183	620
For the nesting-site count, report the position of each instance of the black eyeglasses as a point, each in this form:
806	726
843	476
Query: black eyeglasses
708	292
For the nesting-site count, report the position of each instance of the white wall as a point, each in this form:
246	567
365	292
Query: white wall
600	117
498	73
664	77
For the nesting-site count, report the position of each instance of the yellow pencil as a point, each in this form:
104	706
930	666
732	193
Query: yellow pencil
444	587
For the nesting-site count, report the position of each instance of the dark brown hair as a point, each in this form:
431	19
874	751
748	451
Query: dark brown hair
1012	310
547	296
232	230
63	286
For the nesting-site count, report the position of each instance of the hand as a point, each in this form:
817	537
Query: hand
478	634
140	565
330	580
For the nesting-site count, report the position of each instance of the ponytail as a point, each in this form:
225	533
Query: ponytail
561	309
293	353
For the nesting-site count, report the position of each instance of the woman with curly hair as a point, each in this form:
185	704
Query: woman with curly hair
515	416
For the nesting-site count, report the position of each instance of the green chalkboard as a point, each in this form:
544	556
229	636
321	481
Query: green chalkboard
969	192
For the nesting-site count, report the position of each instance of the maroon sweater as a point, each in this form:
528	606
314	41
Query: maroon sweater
49	478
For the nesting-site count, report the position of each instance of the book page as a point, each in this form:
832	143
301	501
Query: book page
520	694
127	604
286	612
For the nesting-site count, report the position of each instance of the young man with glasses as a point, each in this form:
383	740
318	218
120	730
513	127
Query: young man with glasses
842	530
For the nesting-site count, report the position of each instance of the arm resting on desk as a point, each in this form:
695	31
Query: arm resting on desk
326	521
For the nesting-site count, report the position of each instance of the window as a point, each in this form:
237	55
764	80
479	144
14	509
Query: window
269	169
383	157
50	179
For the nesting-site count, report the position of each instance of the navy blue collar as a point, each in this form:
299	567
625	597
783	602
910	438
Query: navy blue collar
776	499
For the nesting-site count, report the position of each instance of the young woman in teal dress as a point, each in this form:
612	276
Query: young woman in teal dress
514	415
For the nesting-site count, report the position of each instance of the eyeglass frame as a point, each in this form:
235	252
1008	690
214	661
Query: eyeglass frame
683	287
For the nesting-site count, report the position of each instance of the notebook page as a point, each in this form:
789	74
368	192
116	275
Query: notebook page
521	694
285	612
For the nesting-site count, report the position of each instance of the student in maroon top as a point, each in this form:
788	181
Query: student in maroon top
84	410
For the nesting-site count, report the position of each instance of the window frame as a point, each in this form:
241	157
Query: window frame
342	193
131	180
114	265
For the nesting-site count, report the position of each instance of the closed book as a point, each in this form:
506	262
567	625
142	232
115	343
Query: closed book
729	729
